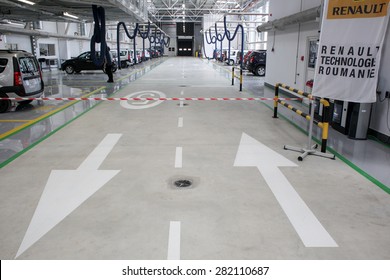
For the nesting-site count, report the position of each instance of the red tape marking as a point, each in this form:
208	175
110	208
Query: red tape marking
148	98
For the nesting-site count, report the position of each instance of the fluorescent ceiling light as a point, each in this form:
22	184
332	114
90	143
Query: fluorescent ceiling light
27	2
69	15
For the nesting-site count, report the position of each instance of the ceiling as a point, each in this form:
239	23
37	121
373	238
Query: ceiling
157	11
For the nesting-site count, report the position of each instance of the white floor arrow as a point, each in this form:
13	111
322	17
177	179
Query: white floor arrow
253	153
67	189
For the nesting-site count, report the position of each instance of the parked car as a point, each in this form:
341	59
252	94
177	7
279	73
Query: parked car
246	57
145	55
20	76
127	58
217	54
84	62
238	57
233	57
139	56
256	62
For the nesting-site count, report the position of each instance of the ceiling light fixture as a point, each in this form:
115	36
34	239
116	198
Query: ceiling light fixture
70	15
27	2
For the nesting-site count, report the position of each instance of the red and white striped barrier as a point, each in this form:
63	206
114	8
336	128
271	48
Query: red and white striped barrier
147	98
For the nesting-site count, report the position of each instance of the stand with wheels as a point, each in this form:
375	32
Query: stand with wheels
310	148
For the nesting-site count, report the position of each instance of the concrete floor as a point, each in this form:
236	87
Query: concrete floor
101	187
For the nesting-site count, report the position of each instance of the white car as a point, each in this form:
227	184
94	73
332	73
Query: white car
233	57
20	76
127	58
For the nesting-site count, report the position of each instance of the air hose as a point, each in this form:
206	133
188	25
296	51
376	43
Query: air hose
220	38
213	40
132	37
166	43
99	36
144	35
227	33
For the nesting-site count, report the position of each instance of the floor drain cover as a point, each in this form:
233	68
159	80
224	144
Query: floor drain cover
183	183
182	86
184	104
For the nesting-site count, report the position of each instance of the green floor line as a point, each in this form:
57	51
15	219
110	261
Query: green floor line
338	155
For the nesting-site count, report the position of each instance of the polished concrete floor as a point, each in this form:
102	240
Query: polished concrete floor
101	183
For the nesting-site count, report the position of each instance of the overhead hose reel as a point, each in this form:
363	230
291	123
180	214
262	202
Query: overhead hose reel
220	37
144	35
99	36
213	40
166	43
132	37
227	33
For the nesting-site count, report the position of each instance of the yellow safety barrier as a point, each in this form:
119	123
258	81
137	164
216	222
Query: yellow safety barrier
240	77
324	124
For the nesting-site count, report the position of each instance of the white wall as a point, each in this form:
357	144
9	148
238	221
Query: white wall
170	29
287	47
282	8
285	52
22	41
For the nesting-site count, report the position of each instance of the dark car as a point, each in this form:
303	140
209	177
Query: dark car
83	62
256	62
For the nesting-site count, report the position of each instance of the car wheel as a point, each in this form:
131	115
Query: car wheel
4	105
260	70
69	69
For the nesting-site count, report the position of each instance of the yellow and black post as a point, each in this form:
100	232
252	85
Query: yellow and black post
233	76
276	101
240	79
325	124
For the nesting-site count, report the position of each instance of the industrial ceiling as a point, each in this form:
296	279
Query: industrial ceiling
157	11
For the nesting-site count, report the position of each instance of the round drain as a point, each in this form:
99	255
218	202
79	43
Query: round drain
183	183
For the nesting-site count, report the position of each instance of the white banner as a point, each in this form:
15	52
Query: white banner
350	48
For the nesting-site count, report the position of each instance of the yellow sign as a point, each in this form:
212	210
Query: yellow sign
346	9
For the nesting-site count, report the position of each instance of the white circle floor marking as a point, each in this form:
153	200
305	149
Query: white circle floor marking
135	105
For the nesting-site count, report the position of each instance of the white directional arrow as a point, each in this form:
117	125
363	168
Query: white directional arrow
67	189
253	153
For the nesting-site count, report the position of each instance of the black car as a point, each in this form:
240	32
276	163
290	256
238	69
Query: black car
256	62
83	62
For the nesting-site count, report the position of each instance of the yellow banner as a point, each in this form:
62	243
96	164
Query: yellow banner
346	9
